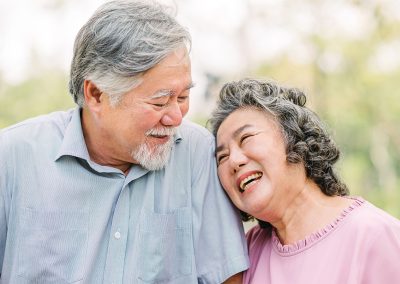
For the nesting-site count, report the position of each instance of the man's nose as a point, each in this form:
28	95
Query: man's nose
172	116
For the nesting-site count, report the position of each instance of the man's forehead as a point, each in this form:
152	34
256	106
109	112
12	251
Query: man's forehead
175	58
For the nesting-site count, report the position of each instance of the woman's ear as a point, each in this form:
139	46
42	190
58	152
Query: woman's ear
93	95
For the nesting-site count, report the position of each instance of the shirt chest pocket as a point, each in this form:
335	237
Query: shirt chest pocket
52	246
165	247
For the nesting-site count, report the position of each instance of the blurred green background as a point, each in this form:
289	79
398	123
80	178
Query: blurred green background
347	83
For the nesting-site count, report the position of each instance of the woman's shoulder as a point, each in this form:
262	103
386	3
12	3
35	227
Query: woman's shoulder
257	236
373	221
371	215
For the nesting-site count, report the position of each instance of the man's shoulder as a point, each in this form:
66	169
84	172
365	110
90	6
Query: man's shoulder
189	128
193	141
52	123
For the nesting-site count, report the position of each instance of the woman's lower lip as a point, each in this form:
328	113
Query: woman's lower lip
250	188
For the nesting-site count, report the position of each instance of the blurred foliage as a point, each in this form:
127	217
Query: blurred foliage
359	103
361	107
35	96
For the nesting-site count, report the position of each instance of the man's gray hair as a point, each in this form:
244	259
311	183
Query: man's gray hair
122	40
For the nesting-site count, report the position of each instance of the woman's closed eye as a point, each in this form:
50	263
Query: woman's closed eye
244	137
221	158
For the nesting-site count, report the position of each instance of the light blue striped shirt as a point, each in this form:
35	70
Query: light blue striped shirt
66	219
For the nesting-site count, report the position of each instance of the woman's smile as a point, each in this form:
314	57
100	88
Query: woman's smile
248	179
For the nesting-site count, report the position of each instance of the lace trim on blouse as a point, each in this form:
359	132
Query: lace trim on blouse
315	237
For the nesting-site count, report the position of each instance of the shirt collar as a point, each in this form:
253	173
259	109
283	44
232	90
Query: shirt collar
178	135
73	143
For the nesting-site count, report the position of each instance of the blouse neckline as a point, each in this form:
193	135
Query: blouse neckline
310	240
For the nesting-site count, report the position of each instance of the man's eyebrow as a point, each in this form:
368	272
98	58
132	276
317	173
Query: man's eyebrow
161	93
191	85
234	135
167	93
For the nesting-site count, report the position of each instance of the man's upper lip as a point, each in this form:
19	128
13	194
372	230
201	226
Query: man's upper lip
159	136
243	176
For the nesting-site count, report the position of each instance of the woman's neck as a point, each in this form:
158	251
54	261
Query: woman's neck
309	211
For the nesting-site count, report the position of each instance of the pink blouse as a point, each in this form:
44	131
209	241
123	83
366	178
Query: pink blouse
361	246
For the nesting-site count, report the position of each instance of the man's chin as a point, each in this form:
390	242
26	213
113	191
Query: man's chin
154	158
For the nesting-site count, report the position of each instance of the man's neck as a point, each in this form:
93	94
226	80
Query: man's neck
98	150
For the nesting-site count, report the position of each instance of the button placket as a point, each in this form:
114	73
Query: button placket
118	238
117	234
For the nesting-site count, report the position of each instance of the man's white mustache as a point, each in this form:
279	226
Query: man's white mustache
165	131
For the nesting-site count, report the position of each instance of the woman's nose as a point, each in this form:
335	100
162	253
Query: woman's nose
237	160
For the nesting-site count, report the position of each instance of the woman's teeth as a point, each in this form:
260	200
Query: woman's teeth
245	183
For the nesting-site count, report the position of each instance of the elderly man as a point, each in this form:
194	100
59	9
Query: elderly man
120	189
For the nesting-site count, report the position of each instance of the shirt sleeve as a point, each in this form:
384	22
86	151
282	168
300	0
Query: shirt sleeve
219	242
3	223
383	257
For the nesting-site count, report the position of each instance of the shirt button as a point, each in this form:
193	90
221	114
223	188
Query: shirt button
117	235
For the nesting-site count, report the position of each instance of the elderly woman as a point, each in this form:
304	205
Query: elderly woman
276	163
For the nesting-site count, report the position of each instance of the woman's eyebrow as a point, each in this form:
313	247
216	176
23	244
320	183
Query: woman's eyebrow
240	129
234	135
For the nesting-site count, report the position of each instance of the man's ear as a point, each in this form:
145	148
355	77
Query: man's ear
93	95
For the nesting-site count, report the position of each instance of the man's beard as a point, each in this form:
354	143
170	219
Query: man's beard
156	157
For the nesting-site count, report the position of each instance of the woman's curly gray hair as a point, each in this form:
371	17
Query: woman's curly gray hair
307	140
